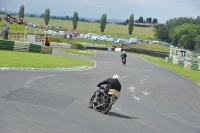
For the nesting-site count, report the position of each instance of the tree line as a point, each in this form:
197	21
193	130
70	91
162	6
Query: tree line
75	19
182	32
141	20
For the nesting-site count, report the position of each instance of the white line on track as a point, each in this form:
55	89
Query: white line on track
27	84
145	93
124	76
133	93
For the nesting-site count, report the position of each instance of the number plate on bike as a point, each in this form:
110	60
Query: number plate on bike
114	92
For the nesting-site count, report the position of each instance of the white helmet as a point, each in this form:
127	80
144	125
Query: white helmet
116	77
124	52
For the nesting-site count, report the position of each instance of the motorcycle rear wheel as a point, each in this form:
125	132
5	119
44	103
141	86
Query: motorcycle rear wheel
123	62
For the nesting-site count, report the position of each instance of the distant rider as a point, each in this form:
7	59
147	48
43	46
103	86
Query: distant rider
123	56
111	83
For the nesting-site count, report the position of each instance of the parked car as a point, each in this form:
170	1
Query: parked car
51	27
58	27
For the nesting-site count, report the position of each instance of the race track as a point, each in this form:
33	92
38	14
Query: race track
153	99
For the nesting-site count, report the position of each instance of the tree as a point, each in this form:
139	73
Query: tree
185	35
21	12
130	24
149	20
67	18
31	15
103	22
197	40
75	20
197	20
155	21
47	16
161	32
97	21
126	22
42	15
141	20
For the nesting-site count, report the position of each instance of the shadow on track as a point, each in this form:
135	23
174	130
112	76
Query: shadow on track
114	114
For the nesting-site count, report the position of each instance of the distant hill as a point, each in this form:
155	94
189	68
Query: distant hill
109	20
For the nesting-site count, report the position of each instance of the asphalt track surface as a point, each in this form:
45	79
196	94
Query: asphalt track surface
153	99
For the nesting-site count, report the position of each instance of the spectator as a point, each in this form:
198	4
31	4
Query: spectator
5	29
0	19
47	41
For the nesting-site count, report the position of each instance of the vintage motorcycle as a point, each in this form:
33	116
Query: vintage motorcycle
105	101
123	61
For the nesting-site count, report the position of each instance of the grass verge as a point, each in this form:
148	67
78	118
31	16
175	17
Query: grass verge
190	74
34	60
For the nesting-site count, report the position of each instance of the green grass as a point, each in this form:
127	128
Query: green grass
22	59
76	51
86	27
154	47
190	74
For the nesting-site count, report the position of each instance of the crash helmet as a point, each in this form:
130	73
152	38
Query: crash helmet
116	77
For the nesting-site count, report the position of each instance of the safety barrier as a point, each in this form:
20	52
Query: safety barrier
175	61
60	45
195	66
184	64
181	63
187	64
21	46
135	50
170	60
166	59
46	50
24	47
6	45
35	48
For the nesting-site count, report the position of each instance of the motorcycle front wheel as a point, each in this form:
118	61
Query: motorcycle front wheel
91	99
106	106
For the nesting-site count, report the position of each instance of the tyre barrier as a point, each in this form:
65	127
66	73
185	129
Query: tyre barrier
60	45
184	64
24	47
6	45
175	61
170	60
166	59
187	64
195	66
21	46
181	63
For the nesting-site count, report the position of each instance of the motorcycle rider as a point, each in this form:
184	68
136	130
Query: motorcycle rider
123	56
111	83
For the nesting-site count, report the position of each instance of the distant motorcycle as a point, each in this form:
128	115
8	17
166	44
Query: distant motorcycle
105	101
123	61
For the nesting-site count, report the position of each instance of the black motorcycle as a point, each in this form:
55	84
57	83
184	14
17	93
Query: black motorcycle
123	61
105	101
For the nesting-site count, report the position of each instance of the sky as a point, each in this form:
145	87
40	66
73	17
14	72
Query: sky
163	10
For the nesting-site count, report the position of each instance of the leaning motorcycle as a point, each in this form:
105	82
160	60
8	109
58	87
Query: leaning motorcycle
105	101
